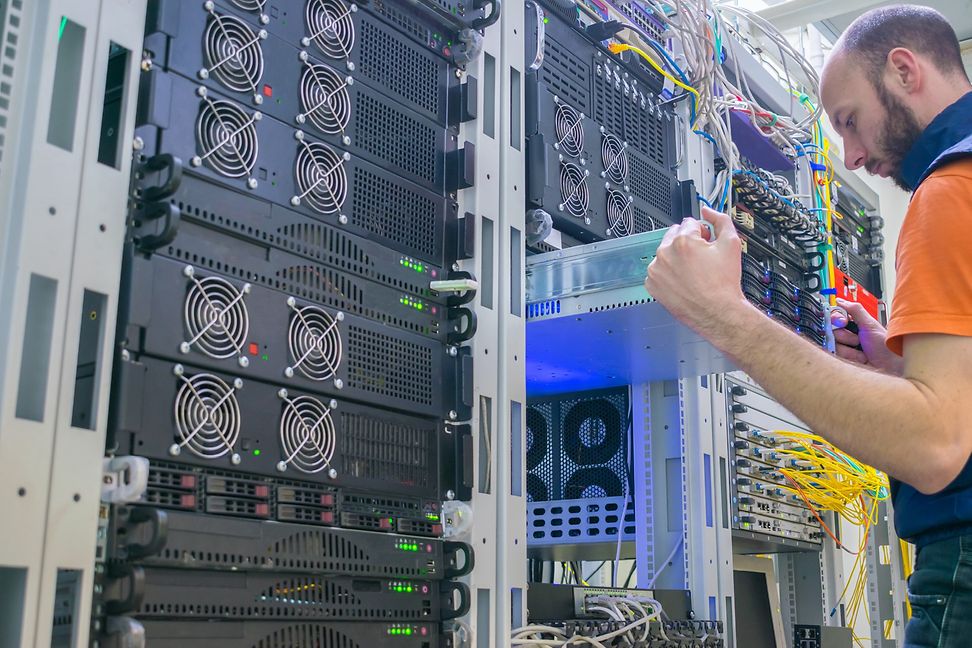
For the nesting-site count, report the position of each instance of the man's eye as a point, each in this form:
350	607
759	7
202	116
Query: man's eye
849	123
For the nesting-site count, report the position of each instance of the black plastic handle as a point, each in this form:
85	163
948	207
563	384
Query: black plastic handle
162	162
447	600
135	578
496	6
159	522
171	216
451	551
463	334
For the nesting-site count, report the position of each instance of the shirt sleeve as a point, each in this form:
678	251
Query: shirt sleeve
933	292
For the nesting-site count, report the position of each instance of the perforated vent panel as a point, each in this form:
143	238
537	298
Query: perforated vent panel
566	75
397	138
643	222
10	30
410	74
308	281
406	22
307	635
608	103
390	451
646	130
650	184
539	442
394	212
387	366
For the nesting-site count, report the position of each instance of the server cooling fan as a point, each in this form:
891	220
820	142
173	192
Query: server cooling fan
321	178
569	125
324	99
593	482
256	6
216	318
232	53
307	435
592	436
619	214
574	194
614	157
330	27
207	416
314	342
226	138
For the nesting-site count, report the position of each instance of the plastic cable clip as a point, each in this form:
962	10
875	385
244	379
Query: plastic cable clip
454	285
124	479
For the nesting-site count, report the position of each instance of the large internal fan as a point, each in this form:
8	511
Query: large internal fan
592	432
207	416
537	490
619	214
570	131
227	138
314	341
574	193
321	178
330	27
232	53
614	156
307	435
216	317
324	99
593	482
538	438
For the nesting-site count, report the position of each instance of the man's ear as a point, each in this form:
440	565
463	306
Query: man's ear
903	70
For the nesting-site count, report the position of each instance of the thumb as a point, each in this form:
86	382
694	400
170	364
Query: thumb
859	314
721	223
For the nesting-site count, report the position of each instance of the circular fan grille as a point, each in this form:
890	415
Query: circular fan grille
216	317
570	130
227	138
207	416
615	159
619	214
250	5
573	190
538	438
537	491
307	434
233	53
324	99
588	483
314	342
321	178
330	27
592	432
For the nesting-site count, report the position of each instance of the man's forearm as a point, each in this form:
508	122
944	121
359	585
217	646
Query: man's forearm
883	420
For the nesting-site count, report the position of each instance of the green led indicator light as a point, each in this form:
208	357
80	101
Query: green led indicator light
418	306
256	453
419	267
408	631
265	357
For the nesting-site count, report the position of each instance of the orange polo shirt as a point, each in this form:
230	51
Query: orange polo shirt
934	258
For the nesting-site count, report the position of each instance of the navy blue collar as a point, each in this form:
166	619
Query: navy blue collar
949	127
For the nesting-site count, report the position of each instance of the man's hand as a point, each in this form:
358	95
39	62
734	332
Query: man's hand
698	280
870	336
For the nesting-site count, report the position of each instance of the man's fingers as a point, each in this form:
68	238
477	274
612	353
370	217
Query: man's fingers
843	336
721	222
858	313
691	228
671	233
849	353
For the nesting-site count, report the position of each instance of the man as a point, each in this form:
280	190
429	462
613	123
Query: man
895	90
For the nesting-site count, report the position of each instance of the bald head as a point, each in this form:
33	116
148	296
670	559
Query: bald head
922	30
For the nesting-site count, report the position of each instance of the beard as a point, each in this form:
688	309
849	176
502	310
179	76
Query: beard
899	133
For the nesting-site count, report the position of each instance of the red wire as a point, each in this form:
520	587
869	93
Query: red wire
840	545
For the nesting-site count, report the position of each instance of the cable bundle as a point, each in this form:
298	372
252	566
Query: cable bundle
768	201
638	620
826	479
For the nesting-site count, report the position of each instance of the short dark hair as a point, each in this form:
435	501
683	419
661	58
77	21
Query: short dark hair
922	30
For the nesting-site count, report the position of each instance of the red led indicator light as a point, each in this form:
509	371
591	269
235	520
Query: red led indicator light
267	91
254	348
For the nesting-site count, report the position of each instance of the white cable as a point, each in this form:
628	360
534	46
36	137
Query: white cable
671	556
